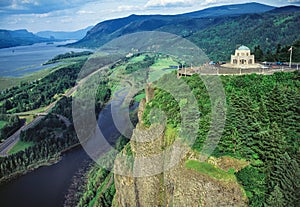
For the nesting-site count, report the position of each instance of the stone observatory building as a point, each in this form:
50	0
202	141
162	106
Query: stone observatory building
242	56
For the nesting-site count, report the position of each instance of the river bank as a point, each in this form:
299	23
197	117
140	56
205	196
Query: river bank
45	186
55	159
49	162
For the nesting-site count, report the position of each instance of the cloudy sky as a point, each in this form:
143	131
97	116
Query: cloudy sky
70	15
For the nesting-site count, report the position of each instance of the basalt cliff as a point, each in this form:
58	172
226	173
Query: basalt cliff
156	176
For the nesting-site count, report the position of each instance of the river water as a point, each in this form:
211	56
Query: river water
47	186
24	60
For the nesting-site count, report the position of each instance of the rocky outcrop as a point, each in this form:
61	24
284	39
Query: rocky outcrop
150	177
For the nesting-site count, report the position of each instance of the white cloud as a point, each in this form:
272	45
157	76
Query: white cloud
169	3
42	15
67	20
35	3
128	8
40	6
82	12
216	2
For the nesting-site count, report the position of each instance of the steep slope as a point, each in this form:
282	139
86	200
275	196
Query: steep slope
179	186
183	24
10	38
76	35
111	29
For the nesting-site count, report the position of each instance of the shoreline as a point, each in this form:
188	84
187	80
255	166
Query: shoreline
44	163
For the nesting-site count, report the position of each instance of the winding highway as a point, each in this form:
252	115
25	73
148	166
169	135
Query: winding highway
13	139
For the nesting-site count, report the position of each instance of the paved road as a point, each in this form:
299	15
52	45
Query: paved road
12	140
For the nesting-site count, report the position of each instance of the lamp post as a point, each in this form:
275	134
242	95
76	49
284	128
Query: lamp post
291	50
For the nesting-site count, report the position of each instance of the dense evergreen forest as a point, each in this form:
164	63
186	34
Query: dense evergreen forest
40	93
50	137
282	53
262	126
10	126
71	54
266	30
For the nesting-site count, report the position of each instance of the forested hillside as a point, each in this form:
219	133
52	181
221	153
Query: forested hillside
182	24
40	93
218	31
266	30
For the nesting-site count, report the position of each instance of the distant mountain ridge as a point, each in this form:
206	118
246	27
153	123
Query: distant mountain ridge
9	38
209	28
186	23
231	10
60	35
284	9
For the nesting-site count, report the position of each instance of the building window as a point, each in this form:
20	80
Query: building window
238	54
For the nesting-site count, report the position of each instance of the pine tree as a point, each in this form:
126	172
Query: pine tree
276	198
272	144
286	175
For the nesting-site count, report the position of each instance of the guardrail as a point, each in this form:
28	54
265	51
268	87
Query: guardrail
212	70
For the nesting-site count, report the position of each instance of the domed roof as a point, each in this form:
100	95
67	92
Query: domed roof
243	47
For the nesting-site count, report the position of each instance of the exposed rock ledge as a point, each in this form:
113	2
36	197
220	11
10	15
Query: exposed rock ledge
176	186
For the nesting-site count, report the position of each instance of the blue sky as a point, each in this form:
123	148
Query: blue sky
70	15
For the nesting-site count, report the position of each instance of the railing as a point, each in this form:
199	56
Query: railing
213	70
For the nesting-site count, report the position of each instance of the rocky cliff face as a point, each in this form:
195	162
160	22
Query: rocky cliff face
152	178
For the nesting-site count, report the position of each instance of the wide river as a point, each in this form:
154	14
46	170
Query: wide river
24	60
47	186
